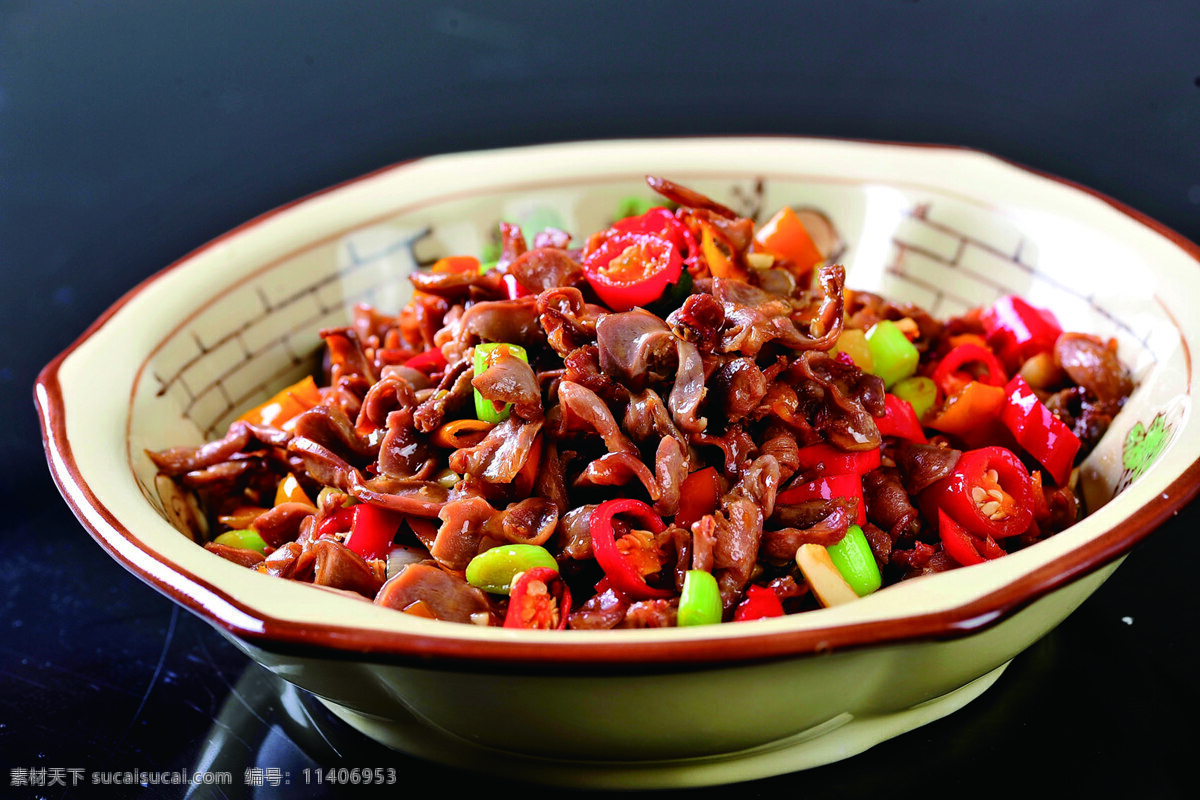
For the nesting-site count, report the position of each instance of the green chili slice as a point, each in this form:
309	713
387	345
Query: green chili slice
245	539
700	602
894	356
485	409
854	560
919	391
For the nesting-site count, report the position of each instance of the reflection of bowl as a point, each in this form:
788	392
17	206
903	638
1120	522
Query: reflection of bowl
947	228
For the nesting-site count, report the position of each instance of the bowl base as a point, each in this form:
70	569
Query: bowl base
836	739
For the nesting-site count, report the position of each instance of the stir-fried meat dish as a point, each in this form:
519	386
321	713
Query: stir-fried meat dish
686	418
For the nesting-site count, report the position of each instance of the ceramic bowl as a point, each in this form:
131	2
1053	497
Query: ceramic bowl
948	228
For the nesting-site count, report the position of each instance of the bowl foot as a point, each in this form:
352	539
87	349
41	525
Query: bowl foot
836	739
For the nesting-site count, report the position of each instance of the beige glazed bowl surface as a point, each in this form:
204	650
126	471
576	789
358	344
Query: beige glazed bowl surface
177	357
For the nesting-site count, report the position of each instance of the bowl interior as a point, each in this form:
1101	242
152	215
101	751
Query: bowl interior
945	228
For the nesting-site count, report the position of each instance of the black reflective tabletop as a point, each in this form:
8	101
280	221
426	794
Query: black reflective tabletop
132	133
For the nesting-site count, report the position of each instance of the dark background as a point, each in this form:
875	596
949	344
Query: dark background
131	133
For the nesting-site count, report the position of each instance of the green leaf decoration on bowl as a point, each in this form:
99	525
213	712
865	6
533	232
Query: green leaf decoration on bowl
1143	445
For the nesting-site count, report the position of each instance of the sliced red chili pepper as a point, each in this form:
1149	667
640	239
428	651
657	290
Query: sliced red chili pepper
373	530
661	222
962	546
1016	330
629	270
685	240
947	372
989	493
621	572
760	602
1040	433
658	221
900	420
698	496
832	461
539	598
846	485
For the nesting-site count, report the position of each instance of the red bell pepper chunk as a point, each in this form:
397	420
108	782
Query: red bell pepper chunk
431	360
373	530
622	575
629	270
989	493
829	487
1016	330
337	522
539	598
514	288
900	420
698	496
833	461
760	602
962	546
1040	433
947	373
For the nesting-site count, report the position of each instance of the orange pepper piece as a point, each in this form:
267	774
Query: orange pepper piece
718	253
972	408
461	433
241	517
527	477
290	491
456	264
287	404
419	608
785	236
967	338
